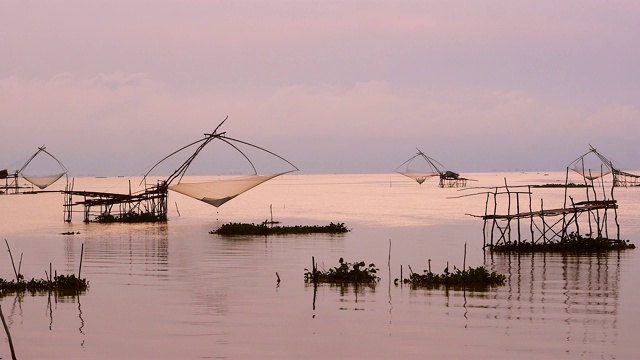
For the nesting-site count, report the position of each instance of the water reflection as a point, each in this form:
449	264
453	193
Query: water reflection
577	294
344	290
143	249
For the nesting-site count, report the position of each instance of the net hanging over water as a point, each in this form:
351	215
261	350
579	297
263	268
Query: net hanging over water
592	165
42	181
420	167
218	192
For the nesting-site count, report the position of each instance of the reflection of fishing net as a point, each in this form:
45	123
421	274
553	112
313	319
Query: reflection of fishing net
218	192
592	165
42	181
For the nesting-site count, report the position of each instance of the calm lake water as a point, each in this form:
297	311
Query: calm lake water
173	291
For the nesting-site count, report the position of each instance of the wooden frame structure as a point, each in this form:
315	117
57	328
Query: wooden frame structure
506	224
11	184
625	179
521	223
149	205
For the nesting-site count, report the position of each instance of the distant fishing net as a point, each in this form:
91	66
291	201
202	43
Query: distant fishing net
419	168
42	161
592	165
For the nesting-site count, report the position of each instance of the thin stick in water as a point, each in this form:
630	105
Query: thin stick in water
464	260
20	263
81	254
12	263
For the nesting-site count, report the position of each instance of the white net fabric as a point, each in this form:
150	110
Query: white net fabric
42	182
419	177
591	174
419	167
218	192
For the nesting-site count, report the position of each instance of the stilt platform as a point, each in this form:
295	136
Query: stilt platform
512	219
149	205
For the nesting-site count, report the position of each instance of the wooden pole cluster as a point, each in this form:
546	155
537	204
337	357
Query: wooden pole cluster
548	224
151	202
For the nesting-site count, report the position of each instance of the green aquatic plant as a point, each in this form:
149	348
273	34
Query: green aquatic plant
345	273
59	283
478	277
130	217
264	229
572	242
559	185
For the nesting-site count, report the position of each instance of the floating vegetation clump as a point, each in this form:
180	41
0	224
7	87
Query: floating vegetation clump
130	217
346	273
264	229
558	185
59	283
573	242
478	277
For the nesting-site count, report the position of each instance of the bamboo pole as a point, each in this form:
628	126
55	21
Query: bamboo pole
508	228
464	259
12	263
81	255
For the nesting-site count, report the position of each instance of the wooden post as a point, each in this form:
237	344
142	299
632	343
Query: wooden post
464	259
508	228
12	263
544	230
81	254
531	218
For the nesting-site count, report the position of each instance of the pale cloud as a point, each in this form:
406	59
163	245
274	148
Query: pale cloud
483	84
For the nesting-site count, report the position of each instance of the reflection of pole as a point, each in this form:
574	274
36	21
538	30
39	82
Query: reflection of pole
6	329
80	315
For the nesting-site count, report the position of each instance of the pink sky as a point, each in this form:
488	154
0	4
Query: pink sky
333	86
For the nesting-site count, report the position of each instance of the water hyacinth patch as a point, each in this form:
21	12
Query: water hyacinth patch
345	273
573	242
264	229
476	277
59	283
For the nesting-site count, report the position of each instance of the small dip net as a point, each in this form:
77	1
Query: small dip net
42	161
419	167
592	165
